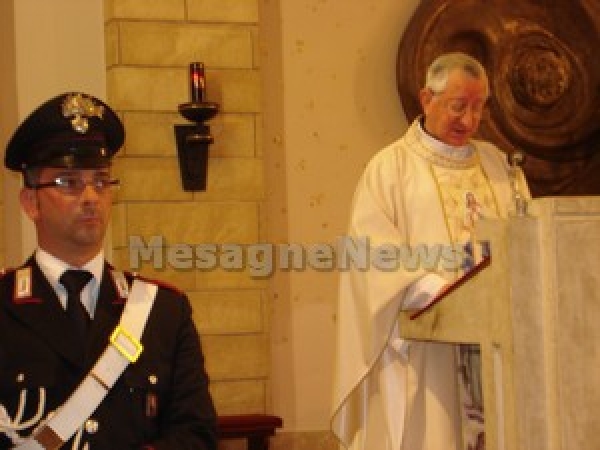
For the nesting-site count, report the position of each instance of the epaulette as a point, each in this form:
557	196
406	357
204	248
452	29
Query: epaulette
159	283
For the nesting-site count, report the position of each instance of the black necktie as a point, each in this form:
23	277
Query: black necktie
74	281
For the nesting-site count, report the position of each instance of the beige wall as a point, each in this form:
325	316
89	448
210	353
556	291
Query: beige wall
333	79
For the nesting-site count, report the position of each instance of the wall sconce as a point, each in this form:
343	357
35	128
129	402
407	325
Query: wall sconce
193	140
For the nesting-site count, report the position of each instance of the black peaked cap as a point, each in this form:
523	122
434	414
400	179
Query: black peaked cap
73	130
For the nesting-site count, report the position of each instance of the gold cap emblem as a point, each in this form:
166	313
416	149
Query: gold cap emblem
79	107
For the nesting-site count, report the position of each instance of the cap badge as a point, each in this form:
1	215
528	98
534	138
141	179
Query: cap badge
80	107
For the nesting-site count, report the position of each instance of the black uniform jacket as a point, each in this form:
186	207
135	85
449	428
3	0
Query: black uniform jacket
161	401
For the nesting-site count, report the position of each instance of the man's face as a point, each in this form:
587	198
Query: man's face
71	219
453	116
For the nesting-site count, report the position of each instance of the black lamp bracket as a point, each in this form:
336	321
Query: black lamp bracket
193	140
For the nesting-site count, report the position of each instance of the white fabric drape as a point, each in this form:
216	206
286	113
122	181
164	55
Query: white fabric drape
384	390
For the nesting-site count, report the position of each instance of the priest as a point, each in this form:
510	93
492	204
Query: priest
424	192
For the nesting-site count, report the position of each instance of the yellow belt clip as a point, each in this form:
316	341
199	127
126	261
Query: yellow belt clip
127	345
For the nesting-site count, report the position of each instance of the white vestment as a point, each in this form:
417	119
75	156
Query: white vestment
388	394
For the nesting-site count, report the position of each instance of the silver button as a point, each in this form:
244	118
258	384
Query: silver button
91	426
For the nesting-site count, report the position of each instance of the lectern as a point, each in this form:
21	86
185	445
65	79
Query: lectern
535	312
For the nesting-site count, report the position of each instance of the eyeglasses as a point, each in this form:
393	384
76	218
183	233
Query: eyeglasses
457	107
74	186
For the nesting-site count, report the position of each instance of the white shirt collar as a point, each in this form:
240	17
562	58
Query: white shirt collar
53	268
462	152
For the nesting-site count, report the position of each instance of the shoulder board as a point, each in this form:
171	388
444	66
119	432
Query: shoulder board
159	283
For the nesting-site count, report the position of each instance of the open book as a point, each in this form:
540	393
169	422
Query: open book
482	264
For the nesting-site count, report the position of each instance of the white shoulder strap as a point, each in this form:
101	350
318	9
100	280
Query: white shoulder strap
124	348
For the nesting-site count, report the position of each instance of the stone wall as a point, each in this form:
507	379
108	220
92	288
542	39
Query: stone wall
149	46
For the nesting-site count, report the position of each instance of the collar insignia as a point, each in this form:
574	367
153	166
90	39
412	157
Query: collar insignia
23	283
120	283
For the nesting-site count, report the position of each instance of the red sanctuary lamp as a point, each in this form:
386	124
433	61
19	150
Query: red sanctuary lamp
197	82
193	140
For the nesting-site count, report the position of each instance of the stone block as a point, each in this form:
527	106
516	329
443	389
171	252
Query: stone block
258	130
174	44
233	179
228	312
243	11
228	279
194	223
256	53
146	89
150	179
234	135
144	9
236	357
240	90
151	134
118	225
111	44
238	396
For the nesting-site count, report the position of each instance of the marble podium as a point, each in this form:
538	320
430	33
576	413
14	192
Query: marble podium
534	311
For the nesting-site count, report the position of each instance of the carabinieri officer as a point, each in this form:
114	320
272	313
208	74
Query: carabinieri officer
90	357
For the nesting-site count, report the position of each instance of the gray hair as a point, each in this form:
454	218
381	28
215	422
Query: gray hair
439	70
